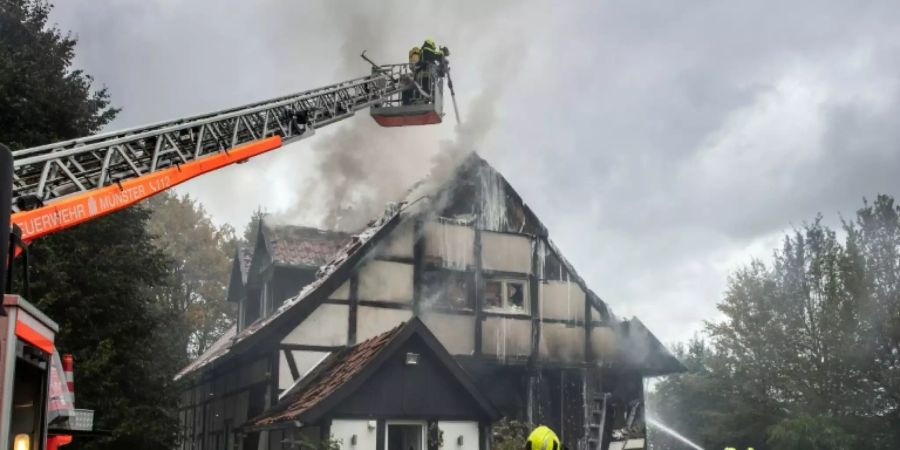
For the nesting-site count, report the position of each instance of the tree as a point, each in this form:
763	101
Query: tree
201	253
873	246
688	402
808	354
97	279
43	99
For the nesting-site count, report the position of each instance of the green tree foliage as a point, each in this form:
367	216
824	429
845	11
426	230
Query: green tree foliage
810	433
44	99
201	253
97	280
808	355
687	402
509	434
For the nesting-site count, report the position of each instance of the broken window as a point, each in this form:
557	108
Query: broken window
515	295
457	294
493	294
506	295
447	288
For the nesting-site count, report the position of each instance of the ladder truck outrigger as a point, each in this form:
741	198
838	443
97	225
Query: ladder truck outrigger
52	187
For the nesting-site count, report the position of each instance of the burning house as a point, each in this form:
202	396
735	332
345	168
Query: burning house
453	309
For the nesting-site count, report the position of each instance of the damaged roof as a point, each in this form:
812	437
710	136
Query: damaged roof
419	200
298	246
345	259
217	349
640	348
331	375
343	372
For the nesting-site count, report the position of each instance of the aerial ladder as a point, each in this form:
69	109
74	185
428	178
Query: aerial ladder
60	185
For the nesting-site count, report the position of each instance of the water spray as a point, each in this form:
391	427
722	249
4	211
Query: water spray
672	433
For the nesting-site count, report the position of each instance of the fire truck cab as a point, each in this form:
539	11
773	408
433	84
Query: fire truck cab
26	350
36	402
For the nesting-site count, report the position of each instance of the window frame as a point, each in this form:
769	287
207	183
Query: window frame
421	423
504	296
443	275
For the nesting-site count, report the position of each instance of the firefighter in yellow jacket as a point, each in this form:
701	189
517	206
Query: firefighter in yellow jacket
543	438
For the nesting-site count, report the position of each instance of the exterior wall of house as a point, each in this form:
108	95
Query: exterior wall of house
326	326
295	364
386	281
374	320
494	291
471	268
459	435
211	407
455	331
365	431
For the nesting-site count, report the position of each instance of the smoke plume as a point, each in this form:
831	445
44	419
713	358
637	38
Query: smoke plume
361	166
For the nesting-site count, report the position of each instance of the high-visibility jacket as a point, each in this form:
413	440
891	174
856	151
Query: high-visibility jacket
543	438
430	52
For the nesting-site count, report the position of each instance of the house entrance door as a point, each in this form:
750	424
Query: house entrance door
405	436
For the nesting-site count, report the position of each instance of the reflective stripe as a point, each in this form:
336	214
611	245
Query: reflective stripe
33	336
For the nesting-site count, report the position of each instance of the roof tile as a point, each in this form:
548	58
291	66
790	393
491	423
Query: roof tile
303	246
328	379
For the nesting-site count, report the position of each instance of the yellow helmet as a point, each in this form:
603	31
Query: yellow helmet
542	438
430	43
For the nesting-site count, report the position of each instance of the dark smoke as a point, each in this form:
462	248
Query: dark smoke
362	166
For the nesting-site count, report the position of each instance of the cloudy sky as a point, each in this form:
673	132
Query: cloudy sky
664	143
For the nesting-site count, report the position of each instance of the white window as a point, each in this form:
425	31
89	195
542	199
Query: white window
506	295
405	435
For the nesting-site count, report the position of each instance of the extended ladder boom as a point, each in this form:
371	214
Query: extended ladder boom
63	184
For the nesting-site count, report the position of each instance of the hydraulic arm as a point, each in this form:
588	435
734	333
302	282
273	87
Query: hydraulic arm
63	184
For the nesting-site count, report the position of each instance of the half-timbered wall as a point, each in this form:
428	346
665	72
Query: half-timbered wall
484	278
388	289
211	407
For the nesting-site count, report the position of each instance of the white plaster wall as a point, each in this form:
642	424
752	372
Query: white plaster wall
603	342
386	280
344	430
561	342
453	245
561	300
305	360
456	332
327	325
342	292
506	252
400	242
373	320
595	314
452	431
506	337
284	372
